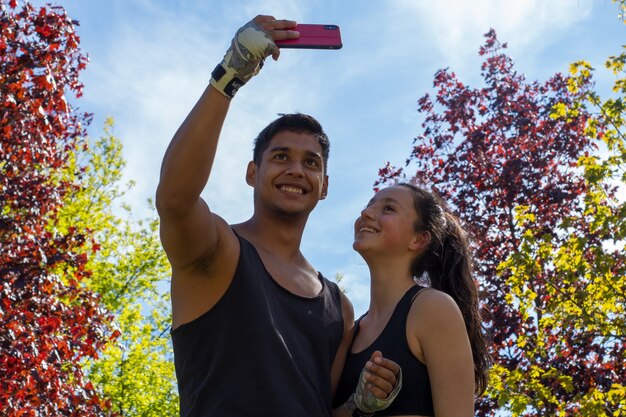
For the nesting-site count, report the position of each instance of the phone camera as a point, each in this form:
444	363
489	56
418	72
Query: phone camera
330	27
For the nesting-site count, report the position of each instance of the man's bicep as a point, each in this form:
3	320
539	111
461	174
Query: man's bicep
190	236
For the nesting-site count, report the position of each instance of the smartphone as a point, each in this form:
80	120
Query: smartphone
314	37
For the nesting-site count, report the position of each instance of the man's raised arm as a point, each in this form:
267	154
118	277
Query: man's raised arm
189	231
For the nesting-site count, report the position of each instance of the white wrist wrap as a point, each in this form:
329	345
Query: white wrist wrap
367	402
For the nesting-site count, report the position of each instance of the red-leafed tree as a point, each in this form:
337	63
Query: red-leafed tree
507	157
49	322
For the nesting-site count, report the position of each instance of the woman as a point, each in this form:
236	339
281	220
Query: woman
434	333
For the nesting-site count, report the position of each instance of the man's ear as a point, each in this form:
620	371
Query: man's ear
251	173
421	242
324	192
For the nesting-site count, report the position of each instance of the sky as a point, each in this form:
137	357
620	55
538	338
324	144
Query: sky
151	60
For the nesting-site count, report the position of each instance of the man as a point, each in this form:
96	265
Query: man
257	331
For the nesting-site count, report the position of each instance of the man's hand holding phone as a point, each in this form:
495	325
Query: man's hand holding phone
252	43
262	37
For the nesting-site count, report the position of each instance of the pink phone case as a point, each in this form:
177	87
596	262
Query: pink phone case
314	37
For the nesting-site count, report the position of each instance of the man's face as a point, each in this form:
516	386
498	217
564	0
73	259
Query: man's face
290	177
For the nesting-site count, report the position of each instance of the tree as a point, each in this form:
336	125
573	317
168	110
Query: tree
592	293
136	372
49	321
518	162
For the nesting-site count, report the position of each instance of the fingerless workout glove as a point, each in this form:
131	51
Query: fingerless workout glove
243	60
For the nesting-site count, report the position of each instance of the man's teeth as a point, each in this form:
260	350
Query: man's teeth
290	189
367	229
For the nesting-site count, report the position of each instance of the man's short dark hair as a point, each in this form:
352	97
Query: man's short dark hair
296	122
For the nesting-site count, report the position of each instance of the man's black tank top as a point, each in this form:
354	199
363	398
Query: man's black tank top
415	397
261	350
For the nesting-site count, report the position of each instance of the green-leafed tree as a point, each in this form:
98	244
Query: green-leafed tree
586	295
589	297
129	271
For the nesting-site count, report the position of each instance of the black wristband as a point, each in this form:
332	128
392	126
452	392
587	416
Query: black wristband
228	87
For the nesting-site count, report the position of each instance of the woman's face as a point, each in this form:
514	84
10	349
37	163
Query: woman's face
387	224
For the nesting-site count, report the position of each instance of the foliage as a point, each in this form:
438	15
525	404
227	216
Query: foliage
136	372
49	321
520	163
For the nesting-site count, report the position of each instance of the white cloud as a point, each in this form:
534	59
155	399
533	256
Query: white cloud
451	21
456	27
355	280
